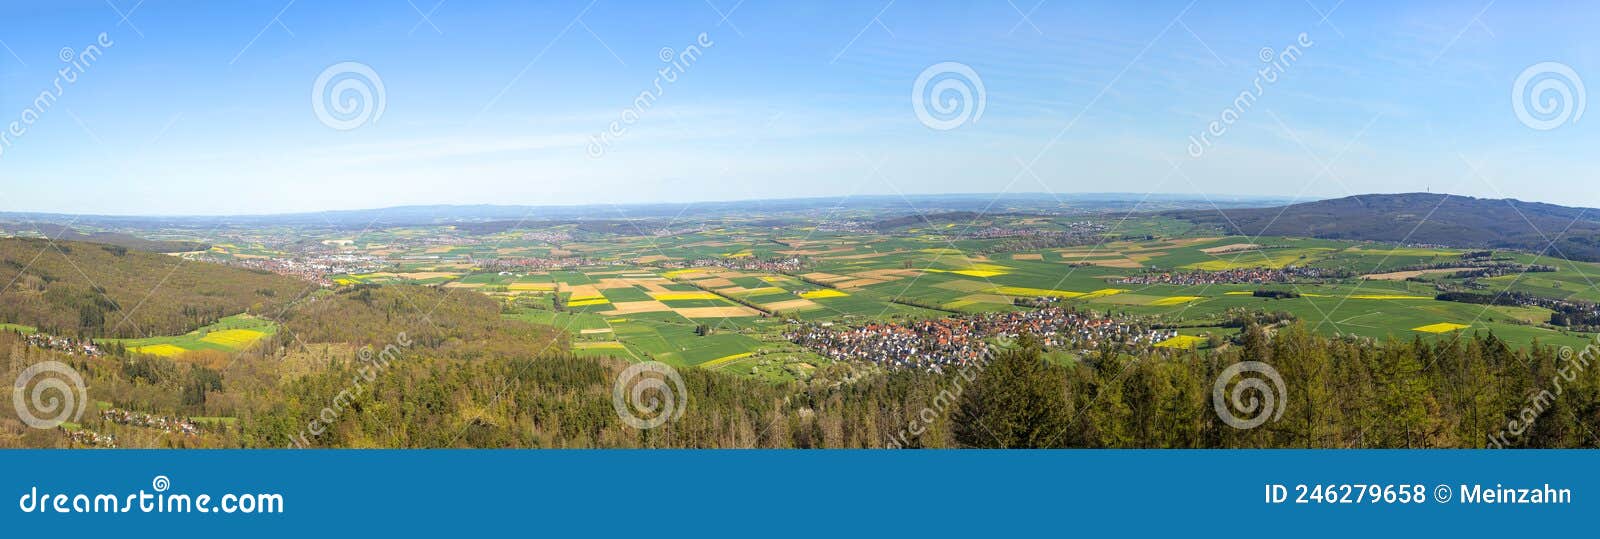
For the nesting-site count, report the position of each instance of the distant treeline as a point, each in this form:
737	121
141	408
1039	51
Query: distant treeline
610	227
1505	299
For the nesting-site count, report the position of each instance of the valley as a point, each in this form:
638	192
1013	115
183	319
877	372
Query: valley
260	325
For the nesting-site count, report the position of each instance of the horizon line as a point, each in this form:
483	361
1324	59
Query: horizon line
1211	197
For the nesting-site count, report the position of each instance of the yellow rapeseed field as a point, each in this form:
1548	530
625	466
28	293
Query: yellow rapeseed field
233	338
1102	293
1035	292
724	360
1181	341
163	350
1442	327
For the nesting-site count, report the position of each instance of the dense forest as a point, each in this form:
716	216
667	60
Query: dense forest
66	233
94	290
1339	394
460	378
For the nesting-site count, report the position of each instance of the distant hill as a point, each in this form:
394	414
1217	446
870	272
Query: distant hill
88	289
1426	218
915	220
60	232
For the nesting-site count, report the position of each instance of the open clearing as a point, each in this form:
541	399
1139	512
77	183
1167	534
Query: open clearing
230	334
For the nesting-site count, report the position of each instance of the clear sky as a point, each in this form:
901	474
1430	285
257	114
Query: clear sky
206	107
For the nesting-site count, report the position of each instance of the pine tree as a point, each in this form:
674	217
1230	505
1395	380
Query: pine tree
1018	401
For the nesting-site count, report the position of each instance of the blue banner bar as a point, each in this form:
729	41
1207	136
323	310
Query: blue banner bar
797	493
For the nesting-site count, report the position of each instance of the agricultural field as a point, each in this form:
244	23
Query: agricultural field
721	293
684	298
230	334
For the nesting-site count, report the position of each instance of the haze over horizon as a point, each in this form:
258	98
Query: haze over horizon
1143	200
208	109
836	200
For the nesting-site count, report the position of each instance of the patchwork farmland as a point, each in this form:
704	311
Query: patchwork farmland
722	297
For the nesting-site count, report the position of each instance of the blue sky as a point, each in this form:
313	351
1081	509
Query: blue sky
205	107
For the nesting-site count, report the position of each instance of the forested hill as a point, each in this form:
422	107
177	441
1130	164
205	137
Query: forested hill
60	232
97	290
1422	218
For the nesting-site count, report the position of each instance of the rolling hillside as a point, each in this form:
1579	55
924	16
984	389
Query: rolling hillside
60	233
98	290
1420	218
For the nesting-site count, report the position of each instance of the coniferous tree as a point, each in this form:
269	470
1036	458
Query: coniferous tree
1018	401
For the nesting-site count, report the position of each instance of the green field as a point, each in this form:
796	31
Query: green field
637	302
25	330
230	334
